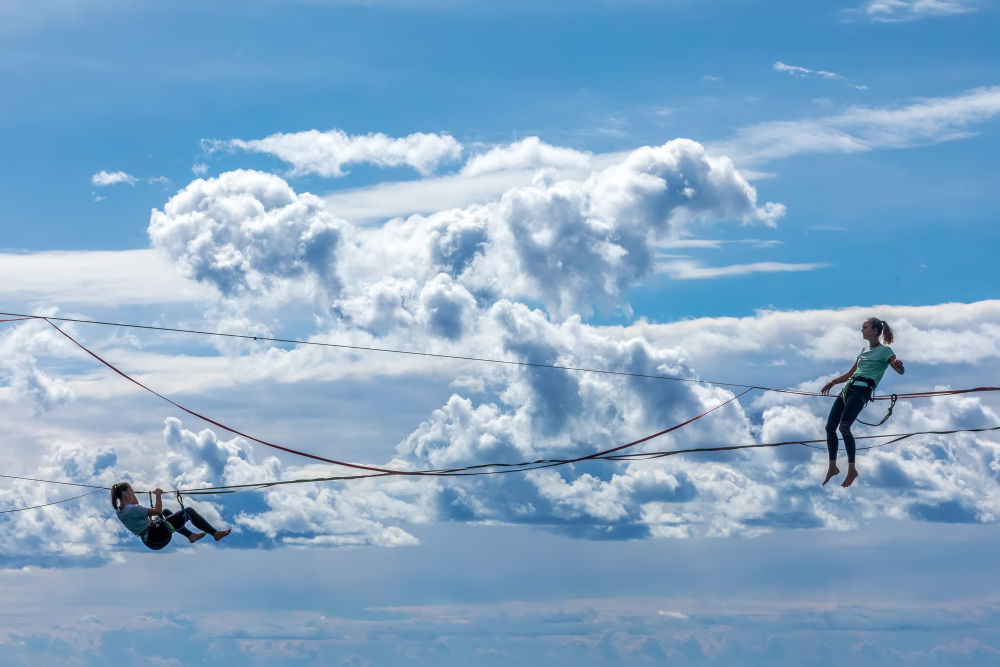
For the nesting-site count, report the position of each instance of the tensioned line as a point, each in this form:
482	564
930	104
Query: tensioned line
511	467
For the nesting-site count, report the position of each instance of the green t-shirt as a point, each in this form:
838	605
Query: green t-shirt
872	362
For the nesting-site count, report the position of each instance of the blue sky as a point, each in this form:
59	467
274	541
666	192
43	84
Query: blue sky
717	190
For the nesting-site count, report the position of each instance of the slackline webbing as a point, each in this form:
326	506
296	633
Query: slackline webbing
522	466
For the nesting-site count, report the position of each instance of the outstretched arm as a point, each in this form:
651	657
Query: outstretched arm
896	364
837	380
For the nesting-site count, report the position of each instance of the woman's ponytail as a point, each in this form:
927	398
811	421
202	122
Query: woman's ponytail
887	336
117	492
881	329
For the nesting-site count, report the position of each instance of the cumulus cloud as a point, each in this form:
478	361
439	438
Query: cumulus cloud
246	230
61	533
527	413
104	178
326	153
19	346
567	246
44	392
943	478
570	244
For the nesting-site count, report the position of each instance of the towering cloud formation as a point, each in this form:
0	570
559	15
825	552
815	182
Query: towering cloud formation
245	230
571	244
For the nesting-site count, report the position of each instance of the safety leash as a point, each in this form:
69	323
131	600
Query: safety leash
892	404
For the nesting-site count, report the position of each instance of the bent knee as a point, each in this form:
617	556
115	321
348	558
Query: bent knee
845	429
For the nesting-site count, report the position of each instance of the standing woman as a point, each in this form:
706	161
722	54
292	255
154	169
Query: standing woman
862	379
155	525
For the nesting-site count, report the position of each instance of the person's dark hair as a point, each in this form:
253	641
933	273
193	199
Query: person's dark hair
117	493
883	329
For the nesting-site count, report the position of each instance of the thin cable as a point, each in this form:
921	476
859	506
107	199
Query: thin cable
57	502
49	481
529	364
454	357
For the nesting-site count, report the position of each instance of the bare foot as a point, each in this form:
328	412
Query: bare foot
834	470
196	536
219	534
852	475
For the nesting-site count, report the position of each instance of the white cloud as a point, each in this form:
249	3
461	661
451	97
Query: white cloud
43	391
802	72
570	243
576	244
896	11
691	270
857	129
380	202
122	277
377	203
529	153
526	413
326	153
460	278
19	346
950	333
103	178
244	230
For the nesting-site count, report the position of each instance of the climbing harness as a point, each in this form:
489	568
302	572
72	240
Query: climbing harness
869	384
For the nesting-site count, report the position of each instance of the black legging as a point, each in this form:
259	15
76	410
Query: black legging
842	416
159	535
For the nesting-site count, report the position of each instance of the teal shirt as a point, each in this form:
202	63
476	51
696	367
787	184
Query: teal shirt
134	517
872	362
